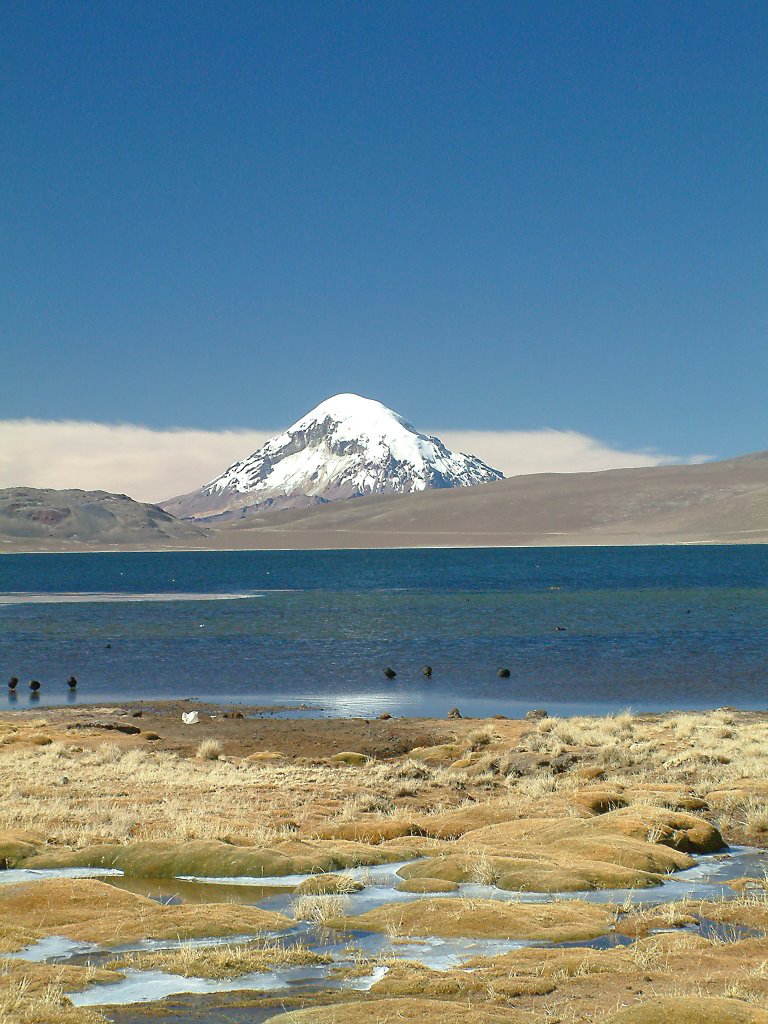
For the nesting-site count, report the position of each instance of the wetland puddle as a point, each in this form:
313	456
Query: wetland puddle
707	880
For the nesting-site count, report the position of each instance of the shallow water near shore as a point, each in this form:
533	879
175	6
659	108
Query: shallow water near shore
707	880
582	630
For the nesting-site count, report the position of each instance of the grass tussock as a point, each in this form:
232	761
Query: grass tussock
318	909
210	750
222	961
480	738
17	1006
22	1001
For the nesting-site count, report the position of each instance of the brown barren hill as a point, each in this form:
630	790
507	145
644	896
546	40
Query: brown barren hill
712	502
715	502
41	519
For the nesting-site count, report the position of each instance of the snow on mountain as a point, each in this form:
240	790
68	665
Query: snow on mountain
346	447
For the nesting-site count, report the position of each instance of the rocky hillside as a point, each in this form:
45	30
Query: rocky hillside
45	517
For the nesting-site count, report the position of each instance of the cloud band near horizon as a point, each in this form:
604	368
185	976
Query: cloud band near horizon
152	465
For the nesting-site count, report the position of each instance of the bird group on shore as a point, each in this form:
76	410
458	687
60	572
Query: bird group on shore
34	684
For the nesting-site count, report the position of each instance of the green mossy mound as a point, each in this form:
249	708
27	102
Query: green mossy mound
353	758
221	961
418	846
453	824
620	849
653	825
14	938
324	885
414	980
599	801
532	872
570	921
669	795
626	848
635	854
373	832
677	829
410	979
38	977
404	1011
212	859
738	790
421	885
16	846
31	993
690	1010
92	911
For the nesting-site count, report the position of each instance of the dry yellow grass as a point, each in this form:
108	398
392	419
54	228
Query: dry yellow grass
118	793
715	764
34	993
20	1006
222	961
210	750
318	909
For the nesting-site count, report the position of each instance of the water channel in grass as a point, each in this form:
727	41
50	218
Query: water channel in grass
707	880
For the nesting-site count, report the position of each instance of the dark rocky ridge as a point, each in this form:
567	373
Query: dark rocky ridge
88	517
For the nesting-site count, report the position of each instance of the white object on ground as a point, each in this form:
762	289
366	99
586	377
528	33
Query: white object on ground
190	717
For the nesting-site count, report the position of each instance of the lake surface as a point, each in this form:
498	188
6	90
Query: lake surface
653	628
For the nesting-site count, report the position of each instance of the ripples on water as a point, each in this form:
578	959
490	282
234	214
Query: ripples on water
653	628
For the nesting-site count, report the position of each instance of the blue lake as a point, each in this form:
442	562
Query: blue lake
653	628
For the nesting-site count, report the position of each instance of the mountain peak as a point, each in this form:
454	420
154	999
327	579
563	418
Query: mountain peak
349	406
355	415
346	447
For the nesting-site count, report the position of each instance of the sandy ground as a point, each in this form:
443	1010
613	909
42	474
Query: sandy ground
246	729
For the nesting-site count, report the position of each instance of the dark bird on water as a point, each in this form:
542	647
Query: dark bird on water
72	682
561	629
427	671
389	673
503	673
13	682
34	685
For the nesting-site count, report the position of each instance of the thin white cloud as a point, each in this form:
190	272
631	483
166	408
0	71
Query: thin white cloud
147	464
152	464
518	452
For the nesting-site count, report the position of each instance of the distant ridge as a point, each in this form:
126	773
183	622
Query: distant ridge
43	515
346	447
715	502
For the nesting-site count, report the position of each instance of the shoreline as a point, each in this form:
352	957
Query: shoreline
130	549
378	707
254	726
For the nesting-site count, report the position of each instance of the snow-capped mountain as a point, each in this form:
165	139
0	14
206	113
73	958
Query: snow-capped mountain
345	448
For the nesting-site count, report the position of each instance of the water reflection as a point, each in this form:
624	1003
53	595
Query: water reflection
178	890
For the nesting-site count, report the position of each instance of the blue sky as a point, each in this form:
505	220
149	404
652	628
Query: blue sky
492	216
